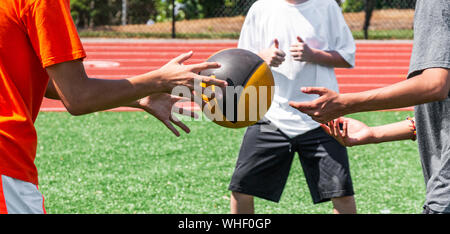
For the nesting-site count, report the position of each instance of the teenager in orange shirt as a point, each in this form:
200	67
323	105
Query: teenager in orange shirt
41	54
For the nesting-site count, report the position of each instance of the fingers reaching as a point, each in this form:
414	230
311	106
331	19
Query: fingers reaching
337	130
186	112
204	66
183	57
345	128
315	90
302	106
333	129
212	81
175	73
180	124
183	110
198	99
171	127
173	120
326	128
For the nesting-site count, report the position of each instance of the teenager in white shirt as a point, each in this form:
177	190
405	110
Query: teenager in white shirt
303	41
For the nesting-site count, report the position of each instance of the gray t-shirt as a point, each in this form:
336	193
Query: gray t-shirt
432	50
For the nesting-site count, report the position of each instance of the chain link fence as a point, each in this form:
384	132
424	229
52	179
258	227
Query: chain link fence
368	19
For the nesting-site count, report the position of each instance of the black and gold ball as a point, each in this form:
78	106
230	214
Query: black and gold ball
249	93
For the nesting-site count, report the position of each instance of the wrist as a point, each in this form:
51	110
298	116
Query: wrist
156	81
348	103
413	129
376	135
315	56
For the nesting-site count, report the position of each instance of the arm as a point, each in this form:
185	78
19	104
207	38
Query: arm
432	85
51	92
394	132
81	94
329	58
162	106
303	53
355	132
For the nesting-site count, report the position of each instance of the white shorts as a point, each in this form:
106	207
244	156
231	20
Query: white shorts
20	197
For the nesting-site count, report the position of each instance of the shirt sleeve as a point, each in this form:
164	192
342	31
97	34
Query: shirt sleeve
250	37
341	40
431	21
52	32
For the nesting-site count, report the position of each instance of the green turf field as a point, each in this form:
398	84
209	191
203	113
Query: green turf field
127	162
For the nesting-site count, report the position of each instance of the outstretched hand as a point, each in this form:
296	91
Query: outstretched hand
353	132
327	107
175	73
161	105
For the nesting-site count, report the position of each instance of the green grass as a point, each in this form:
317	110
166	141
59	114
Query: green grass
404	34
127	162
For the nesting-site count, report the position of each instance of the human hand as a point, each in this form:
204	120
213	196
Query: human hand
302	52
161	105
327	107
353	132
273	56
175	73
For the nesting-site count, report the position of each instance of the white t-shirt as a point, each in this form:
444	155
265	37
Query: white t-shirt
321	25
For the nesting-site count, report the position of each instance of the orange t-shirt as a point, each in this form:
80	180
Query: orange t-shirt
34	34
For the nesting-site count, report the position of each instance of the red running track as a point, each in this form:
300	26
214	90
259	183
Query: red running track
378	64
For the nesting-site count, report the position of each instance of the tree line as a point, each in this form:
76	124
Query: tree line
90	13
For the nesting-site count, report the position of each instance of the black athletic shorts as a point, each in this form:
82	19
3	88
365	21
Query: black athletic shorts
266	156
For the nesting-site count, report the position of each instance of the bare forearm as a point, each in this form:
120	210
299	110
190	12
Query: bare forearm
393	132
91	95
329	58
82	95
52	93
432	85
101	94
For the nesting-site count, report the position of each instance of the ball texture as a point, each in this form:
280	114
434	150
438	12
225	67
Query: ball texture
249	93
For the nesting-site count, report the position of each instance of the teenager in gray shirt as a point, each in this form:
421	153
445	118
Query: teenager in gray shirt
427	88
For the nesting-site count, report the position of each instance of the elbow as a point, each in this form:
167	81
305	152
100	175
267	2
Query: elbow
76	110
440	90
76	106
437	92
441	94
342	63
438	83
347	65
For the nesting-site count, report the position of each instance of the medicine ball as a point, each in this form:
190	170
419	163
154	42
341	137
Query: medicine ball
249	93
